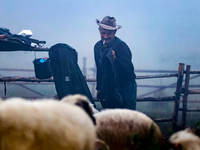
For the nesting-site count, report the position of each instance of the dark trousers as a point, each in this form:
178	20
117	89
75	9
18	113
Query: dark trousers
128	92
129	95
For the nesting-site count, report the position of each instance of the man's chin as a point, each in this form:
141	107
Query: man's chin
107	41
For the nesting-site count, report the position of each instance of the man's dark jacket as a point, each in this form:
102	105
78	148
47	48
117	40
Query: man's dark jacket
109	90
122	73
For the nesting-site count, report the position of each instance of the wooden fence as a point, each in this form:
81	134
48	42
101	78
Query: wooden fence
175	98
180	89
185	90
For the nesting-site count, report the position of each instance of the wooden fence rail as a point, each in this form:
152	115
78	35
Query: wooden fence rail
175	98
186	92
33	79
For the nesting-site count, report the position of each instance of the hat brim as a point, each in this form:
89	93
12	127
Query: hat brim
108	27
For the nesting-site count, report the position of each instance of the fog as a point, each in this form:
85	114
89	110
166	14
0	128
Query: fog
160	34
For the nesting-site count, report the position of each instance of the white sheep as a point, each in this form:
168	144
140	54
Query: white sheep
123	129
185	140
44	125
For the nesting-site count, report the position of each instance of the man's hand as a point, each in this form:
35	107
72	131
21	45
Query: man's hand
2	36
113	55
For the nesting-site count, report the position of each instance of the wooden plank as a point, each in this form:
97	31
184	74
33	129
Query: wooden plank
177	96
33	79
163	120
185	97
190	109
24	79
154	99
194	72
193	109
157	76
194	91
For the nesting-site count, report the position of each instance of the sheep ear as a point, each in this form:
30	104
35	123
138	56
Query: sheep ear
191	130
101	145
86	107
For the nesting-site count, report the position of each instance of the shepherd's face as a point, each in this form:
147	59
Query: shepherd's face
107	35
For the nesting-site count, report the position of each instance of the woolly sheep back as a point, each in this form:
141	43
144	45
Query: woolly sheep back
127	129
42	125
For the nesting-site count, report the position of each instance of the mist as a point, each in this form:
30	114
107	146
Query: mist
160	34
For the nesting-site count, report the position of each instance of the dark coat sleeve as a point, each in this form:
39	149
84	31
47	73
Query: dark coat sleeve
97	55
123	62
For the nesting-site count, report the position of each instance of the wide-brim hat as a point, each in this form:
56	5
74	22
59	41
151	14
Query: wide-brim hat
108	23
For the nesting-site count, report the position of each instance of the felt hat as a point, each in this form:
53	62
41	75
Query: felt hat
108	23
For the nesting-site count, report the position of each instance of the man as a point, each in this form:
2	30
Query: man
116	85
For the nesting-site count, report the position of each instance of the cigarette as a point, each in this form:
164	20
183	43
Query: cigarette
104	42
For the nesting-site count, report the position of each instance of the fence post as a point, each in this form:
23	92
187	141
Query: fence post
177	96
185	97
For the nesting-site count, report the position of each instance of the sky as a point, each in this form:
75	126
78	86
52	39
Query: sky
160	33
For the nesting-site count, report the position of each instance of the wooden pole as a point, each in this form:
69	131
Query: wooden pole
94	83
84	66
185	98
177	96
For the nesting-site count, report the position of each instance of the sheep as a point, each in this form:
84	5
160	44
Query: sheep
83	102
123	129
77	99
44	125
184	140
